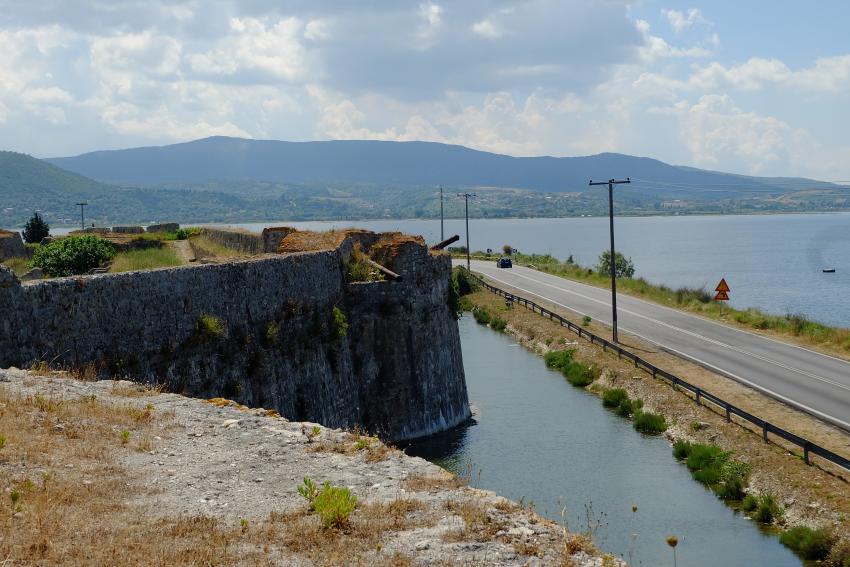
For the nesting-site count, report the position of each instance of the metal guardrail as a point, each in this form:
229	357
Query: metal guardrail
808	447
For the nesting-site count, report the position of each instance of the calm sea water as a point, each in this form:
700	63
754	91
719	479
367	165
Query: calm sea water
535	437
771	262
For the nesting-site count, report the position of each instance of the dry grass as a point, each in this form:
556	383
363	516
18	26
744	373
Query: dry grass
352	442
444	481
18	265
71	507
136	390
479	523
308	240
204	248
145	259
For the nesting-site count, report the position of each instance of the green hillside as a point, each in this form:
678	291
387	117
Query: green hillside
28	184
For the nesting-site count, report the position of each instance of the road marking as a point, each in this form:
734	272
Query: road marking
687	356
691	333
723	326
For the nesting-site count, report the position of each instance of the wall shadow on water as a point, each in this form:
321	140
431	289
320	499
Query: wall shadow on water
533	437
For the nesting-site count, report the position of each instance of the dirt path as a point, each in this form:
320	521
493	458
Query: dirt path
183	250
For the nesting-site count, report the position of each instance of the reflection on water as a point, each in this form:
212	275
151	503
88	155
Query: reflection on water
536	438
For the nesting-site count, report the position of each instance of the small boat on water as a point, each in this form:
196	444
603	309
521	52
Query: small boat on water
829	270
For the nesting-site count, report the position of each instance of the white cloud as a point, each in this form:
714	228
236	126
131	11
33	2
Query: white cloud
718	133
316	30
259	50
656	47
486	28
433	13
502	75
681	21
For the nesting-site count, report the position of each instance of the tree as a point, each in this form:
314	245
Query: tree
623	267
36	229
507	249
72	256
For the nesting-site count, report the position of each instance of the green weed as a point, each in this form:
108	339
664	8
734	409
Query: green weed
613	397
209	328
498	324
334	504
649	423
808	543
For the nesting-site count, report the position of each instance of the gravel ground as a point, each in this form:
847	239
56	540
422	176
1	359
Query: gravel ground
215	458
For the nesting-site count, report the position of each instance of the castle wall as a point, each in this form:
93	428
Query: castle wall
396	370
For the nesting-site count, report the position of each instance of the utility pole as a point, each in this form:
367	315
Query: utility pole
612	261
442	236
466	197
82	214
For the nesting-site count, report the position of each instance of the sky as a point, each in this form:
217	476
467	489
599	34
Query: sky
755	87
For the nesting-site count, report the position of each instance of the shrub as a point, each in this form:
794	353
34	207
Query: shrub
585	321
762	508
36	229
358	268
339	322
334	504
72	256
576	373
712	466
613	397
580	375
558	359
681	450
649	423
703	457
464	282
623	267
482	316
208	328
809	544
308	490
185	233
627	407
498	324
731	489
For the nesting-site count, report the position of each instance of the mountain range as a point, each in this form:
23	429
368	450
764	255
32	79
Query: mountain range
390	163
223	179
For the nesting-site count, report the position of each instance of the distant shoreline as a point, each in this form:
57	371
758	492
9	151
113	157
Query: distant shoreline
476	218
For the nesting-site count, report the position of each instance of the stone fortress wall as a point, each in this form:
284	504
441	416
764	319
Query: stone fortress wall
12	245
395	370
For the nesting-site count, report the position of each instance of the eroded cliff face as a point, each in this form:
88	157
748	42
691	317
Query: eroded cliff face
396	369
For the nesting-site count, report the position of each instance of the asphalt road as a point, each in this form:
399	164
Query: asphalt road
816	383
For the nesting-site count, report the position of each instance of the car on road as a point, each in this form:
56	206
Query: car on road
504	263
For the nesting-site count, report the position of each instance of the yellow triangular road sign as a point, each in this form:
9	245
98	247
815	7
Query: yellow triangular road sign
722	286
721	296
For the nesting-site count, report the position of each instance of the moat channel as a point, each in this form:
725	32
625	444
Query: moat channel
535	438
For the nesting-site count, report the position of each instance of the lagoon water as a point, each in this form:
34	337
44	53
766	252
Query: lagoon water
535	437
773	262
